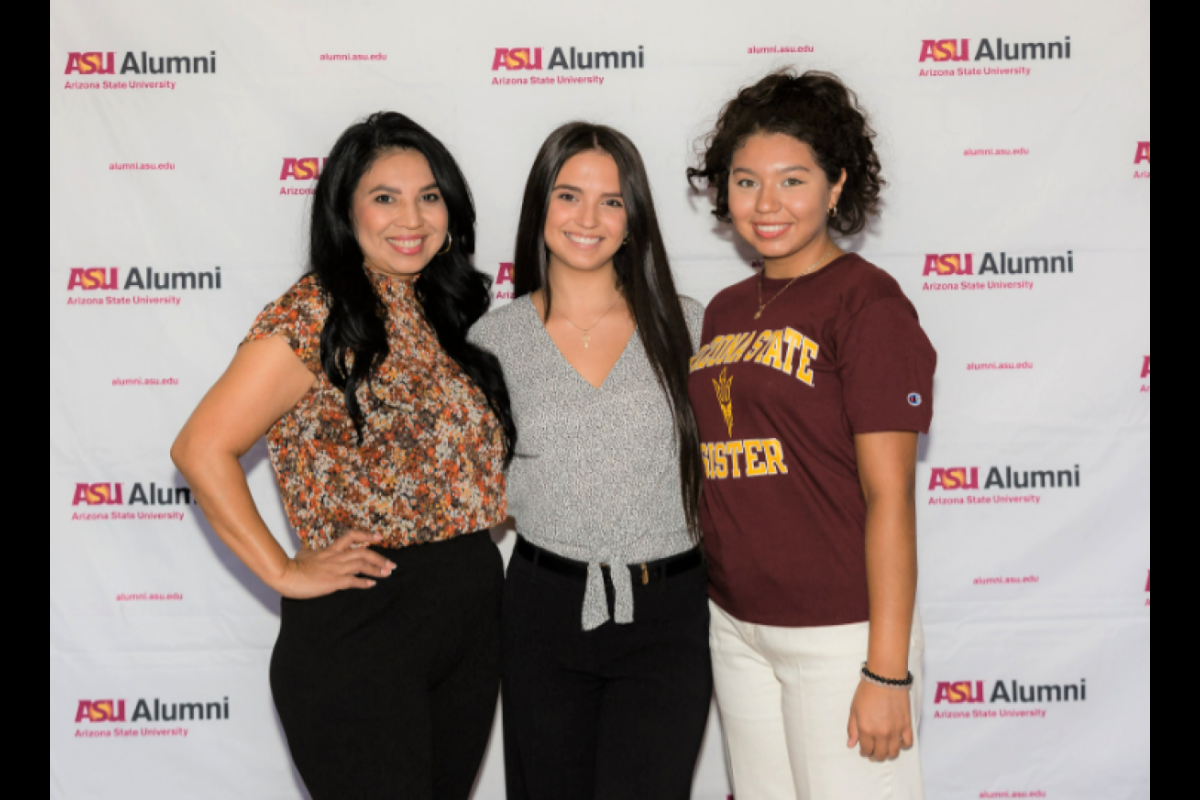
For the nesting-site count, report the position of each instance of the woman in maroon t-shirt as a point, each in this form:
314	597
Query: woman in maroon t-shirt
812	386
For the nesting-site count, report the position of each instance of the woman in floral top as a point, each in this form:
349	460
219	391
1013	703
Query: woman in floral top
389	434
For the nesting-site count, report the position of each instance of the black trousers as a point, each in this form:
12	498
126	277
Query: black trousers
391	693
615	714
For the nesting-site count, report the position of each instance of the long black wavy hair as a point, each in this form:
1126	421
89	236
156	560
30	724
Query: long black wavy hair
643	274
452	293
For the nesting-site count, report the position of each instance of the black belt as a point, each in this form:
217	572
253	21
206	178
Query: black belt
646	574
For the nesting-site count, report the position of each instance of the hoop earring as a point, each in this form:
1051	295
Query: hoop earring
449	244
833	213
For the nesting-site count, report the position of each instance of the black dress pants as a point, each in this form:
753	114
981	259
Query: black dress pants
615	714
391	693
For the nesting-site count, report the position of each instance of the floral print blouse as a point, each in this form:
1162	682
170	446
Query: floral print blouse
431	464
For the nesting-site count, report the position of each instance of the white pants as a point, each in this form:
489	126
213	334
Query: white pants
785	697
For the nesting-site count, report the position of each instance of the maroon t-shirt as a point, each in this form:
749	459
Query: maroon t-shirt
779	401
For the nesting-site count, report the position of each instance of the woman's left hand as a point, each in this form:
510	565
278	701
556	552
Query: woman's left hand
881	722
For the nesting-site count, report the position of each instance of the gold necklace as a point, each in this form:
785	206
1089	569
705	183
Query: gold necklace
763	306
587	332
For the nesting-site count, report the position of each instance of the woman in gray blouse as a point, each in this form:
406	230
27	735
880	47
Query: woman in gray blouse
607	676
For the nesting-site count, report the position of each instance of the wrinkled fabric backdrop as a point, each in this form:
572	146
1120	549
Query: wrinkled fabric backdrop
184	143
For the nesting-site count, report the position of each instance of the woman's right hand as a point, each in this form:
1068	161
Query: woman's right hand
319	573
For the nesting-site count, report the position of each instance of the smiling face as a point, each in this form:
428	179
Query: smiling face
400	218
780	199
587	222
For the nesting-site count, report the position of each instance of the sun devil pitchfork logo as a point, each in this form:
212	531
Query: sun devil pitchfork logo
724	387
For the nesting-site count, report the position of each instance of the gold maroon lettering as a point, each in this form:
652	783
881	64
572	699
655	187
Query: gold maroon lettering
752	458
787	351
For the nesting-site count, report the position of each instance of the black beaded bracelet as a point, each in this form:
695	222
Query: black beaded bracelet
887	684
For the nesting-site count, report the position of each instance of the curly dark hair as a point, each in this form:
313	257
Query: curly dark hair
816	108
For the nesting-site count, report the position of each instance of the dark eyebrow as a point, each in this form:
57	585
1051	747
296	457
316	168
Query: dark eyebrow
784	171
577	190
391	190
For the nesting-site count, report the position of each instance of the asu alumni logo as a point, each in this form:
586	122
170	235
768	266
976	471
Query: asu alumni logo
938	57
956	486
960	694
525	60
98	64
108	501
969	272
114	286
124	719
1142	159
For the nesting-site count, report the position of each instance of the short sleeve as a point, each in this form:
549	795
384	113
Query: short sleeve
887	366
299	319
693	312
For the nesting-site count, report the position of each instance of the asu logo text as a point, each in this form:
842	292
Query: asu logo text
967	479
96	279
1142	158
946	50
92	64
788	351
963	692
302	169
955	479
505	280
518	58
949	265
99	494
100	711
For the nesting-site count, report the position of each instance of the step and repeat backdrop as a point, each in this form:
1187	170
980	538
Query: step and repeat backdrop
185	142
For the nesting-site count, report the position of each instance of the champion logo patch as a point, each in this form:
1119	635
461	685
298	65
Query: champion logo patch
916	400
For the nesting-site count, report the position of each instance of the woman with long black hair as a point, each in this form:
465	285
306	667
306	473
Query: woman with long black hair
389	433
812	387
607	673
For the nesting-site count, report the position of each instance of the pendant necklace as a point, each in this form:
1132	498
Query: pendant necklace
587	332
763	306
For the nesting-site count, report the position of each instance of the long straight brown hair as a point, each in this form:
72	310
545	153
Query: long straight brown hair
643	275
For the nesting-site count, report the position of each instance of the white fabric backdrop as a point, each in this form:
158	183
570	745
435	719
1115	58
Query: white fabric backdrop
181	173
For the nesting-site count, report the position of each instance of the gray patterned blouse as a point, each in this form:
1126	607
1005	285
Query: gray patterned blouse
596	477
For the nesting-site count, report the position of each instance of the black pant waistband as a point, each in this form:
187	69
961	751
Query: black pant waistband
643	574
